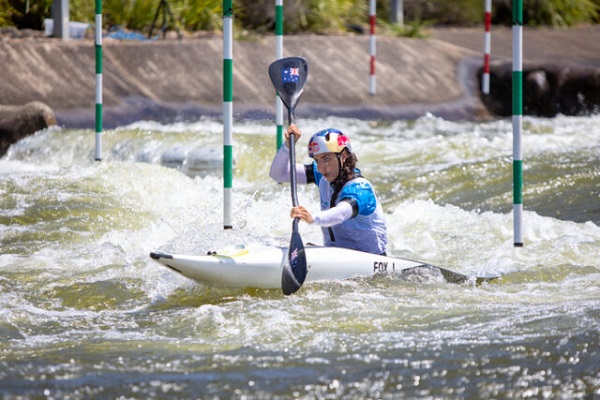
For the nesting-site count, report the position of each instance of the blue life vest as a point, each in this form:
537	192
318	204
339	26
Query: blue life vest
366	231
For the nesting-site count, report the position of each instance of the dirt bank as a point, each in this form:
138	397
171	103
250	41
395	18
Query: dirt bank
168	79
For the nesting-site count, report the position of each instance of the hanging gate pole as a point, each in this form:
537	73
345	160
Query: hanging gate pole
278	55
372	47
485	78
517	119
98	46
227	111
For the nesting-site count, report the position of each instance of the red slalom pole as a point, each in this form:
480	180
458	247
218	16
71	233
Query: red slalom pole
485	78
372	47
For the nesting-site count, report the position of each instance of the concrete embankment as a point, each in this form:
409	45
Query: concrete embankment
171	79
167	78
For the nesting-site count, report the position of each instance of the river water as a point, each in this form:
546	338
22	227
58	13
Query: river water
85	313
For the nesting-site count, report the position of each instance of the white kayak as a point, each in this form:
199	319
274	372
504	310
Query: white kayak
260	266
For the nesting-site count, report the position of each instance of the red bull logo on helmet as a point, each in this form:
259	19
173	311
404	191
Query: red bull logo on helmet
313	148
342	140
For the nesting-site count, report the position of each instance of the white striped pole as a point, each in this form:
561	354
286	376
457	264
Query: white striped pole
517	119
487	47
372	47
227	111
98	46
278	55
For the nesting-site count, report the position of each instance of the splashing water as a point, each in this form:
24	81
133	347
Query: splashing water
85	313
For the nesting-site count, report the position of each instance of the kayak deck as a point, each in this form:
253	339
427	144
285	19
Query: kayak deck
259	266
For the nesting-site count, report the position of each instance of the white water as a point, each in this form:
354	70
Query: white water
85	312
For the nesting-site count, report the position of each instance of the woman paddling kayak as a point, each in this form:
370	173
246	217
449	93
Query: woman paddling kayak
351	216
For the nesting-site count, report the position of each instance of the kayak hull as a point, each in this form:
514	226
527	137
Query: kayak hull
262	266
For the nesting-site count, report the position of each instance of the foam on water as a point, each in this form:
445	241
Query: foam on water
79	296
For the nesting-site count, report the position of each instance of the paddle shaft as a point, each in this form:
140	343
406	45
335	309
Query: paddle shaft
293	164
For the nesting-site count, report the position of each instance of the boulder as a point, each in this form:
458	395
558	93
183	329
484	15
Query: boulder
17	122
548	89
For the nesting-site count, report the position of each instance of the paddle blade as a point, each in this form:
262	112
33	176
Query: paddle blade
288	76
294	271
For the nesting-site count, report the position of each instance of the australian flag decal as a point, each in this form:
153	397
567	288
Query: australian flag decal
293	259
290	75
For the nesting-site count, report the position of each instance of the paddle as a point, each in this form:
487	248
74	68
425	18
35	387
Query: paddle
288	76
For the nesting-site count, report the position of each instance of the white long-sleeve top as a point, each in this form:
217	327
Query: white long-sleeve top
355	220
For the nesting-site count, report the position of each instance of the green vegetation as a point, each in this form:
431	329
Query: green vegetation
562	12
6	12
23	13
318	16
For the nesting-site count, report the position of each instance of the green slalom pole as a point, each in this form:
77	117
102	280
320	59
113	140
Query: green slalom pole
517	119
98	46
227	111
278	55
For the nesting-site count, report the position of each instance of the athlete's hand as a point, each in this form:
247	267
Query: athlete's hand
292	129
302	213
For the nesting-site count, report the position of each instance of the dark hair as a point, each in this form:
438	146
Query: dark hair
347	170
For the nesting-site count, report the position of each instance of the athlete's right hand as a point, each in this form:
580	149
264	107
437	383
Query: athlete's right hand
292	129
